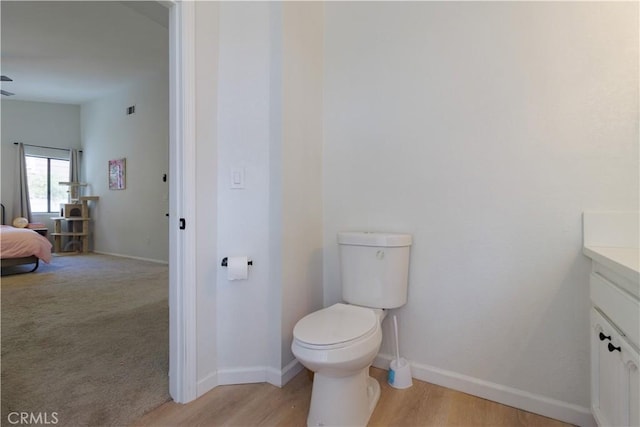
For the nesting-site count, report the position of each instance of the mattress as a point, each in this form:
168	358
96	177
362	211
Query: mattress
22	242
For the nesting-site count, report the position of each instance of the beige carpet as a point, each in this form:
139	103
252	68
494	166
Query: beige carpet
86	337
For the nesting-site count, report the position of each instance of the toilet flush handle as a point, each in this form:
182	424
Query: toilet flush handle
380	254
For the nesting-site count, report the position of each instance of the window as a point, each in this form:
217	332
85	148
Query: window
43	175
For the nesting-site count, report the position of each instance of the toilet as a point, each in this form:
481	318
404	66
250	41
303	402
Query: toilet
340	342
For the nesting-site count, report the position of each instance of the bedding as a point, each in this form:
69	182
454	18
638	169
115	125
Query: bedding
22	243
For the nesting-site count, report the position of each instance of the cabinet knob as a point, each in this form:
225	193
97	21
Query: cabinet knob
604	337
613	348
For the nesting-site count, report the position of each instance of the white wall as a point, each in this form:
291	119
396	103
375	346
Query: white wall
243	215
301	165
276	164
483	129
130	222
259	73
37	123
206	172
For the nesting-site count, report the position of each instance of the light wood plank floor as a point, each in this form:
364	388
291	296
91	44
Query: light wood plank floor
423	404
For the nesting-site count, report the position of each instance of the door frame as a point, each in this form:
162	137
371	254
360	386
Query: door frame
182	202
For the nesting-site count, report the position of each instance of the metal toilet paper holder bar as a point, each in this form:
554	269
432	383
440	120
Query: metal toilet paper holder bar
225	259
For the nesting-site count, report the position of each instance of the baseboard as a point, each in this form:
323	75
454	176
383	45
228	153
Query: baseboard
281	377
254	374
509	396
207	384
157	261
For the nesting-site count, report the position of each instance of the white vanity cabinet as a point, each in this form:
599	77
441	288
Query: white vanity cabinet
615	336
615	379
611	241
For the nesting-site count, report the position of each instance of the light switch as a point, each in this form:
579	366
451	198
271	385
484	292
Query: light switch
237	178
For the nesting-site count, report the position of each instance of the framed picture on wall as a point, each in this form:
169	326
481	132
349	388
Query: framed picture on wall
117	174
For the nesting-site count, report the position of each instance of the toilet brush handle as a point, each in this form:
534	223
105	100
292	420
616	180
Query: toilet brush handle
395	330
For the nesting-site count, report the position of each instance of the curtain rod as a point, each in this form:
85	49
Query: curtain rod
50	148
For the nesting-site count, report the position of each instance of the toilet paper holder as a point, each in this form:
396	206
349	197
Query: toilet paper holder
224	262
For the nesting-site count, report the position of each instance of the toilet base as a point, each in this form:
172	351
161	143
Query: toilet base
343	401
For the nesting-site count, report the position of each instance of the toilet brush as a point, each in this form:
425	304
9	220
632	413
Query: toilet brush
395	331
399	369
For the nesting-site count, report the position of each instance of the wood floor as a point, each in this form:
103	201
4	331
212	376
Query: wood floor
423	404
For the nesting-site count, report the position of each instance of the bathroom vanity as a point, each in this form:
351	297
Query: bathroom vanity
611	241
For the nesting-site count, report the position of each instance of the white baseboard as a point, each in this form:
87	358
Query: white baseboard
509	396
157	261
287	373
254	374
206	384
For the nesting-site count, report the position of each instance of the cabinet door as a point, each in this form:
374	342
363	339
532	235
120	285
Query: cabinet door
632	381
606	378
615	389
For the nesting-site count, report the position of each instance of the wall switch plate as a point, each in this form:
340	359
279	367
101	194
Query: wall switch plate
237	178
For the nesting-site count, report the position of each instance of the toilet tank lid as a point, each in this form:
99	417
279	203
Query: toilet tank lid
365	238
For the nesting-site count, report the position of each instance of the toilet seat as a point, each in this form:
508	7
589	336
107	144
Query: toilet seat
337	326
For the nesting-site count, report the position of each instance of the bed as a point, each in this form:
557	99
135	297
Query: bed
20	246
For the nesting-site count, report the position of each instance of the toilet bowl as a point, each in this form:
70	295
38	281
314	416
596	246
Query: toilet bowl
339	344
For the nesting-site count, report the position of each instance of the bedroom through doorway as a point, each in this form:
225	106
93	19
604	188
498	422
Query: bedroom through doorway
77	68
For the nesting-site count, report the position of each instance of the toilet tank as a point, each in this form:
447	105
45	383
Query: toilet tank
374	268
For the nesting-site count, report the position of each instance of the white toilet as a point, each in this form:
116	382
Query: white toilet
339	343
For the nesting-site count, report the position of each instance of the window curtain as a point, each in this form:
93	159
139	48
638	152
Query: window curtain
21	203
74	174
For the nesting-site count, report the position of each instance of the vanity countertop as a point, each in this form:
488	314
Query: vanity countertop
624	261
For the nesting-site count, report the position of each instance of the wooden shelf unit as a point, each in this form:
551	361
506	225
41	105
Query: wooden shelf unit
79	227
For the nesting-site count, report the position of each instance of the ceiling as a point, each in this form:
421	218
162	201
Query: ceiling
73	52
